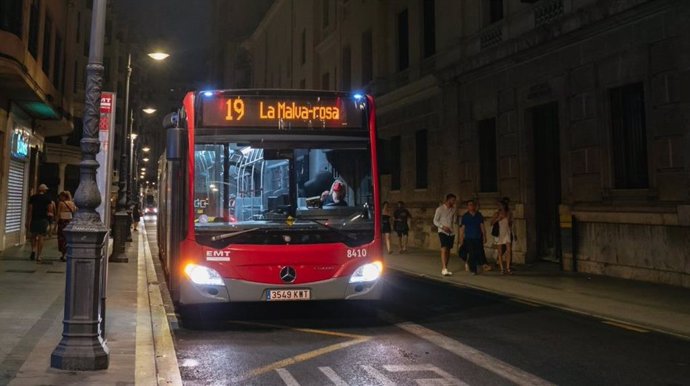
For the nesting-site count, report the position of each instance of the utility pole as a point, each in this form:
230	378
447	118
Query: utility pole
82	346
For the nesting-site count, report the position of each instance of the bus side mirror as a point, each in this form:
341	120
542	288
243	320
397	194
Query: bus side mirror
171	120
174	149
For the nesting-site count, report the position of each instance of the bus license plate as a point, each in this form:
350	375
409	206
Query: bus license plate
288	294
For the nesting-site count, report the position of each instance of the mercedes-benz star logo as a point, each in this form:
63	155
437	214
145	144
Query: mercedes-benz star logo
288	274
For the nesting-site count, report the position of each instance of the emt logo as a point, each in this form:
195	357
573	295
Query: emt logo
213	255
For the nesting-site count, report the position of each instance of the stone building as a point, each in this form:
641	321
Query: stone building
44	47
577	110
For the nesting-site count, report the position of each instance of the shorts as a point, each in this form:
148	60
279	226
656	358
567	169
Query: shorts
39	227
401	231
447	241
386	227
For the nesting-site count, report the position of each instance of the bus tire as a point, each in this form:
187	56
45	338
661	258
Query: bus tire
192	317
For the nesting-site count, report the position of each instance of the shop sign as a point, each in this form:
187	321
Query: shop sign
19	149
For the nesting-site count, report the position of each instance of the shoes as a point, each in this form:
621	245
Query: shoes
446	272
486	267
474	273
32	256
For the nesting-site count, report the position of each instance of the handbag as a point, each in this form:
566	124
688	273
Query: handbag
495	230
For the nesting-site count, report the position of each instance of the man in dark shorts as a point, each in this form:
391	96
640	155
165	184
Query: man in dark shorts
40	210
444	218
401	216
473	236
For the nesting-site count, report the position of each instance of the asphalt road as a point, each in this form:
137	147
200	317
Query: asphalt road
422	333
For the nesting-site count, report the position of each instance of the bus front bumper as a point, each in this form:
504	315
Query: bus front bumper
244	291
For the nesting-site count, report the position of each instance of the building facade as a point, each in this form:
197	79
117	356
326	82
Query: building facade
44	48
576	110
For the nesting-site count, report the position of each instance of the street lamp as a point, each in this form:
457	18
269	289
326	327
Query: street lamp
158	55
145	159
82	346
149	110
122	230
145	149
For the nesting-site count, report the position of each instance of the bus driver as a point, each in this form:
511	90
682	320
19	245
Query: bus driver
336	196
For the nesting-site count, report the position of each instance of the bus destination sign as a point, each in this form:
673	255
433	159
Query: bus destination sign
277	112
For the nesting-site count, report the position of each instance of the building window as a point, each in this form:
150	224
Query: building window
421	160
11	16
403	41
33	28
494	10
78	26
429	28
347	69
47	38
367	58
488	164
325	81
75	82
326	12
629	137
57	61
395	158
303	53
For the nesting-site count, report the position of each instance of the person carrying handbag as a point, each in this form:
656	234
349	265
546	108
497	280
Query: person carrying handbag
65	212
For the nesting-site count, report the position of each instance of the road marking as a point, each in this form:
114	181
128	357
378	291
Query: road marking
470	354
446	378
307	330
625	326
378	375
297	359
332	376
527	302
287	377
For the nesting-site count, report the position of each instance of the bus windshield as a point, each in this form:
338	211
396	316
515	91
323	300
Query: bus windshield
277	193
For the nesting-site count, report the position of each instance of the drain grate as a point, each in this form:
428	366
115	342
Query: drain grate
20	270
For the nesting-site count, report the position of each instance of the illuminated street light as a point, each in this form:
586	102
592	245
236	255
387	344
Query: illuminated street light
143	169
145	149
134	136
149	110
158	55
145	159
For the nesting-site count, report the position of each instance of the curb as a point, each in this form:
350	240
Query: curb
542	302
156	356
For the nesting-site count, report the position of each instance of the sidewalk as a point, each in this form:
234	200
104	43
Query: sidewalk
31	313
650	306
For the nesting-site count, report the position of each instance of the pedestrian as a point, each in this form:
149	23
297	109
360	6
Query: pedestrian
444	218
401	225
386	225
65	212
40	210
136	216
473	236
503	222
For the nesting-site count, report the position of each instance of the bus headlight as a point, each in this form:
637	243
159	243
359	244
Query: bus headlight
367	272
199	274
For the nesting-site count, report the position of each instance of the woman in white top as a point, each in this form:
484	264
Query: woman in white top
65	211
504	218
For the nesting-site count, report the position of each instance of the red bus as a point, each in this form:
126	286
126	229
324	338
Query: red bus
270	195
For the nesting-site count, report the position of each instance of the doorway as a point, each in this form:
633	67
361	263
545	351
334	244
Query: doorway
547	181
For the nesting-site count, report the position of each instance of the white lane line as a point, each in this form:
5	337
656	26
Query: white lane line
332	376
287	377
446	378
477	357
378	376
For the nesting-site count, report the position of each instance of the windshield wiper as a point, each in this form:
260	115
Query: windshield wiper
232	234
331	228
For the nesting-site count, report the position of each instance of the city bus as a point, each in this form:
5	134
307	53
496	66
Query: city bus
270	195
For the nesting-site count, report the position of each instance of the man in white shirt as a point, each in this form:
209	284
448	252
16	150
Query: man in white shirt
444	218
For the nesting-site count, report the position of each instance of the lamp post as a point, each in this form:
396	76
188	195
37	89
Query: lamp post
82	347
122	230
